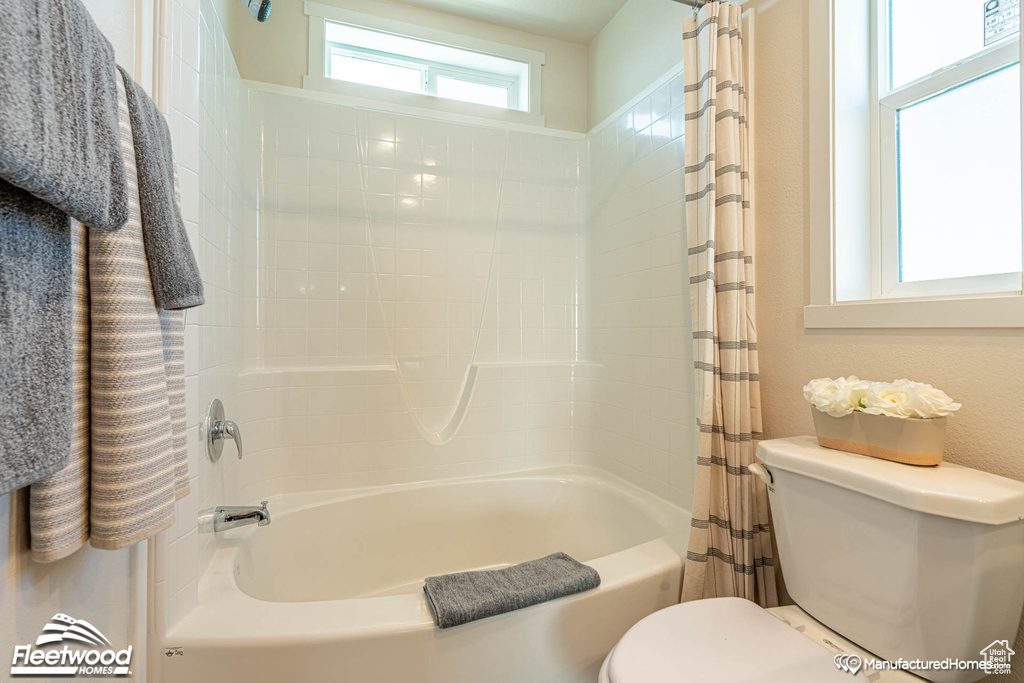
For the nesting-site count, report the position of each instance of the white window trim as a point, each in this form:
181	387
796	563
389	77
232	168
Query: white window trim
845	167
318	13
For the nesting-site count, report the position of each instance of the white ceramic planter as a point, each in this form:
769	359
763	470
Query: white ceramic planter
912	441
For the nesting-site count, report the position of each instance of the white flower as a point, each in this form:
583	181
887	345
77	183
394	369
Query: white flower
836	397
901	398
925	401
885	398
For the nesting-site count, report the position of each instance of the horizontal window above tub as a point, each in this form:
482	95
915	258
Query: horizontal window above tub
366	56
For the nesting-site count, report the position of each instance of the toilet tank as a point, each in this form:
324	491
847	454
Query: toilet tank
907	562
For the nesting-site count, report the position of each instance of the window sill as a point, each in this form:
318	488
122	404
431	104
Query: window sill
1004	311
417	104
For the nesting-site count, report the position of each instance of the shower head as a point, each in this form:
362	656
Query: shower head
259	9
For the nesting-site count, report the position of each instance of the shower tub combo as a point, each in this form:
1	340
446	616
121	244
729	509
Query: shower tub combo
332	590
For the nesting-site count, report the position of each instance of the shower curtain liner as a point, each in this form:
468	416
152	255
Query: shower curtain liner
729	551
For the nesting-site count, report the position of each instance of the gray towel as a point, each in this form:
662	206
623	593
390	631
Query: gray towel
459	598
35	338
172	264
59	137
60	156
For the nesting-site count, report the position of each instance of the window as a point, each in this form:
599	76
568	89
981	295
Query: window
349	51
360	55
383	71
949	151
915	175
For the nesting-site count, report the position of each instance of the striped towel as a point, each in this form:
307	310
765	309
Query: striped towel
128	461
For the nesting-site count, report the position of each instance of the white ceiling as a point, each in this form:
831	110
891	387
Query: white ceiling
577	21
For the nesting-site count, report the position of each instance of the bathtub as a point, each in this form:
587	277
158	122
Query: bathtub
332	589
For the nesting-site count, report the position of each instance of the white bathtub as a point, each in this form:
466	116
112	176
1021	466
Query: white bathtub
331	590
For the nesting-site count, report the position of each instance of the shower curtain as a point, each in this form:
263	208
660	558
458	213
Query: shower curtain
730	552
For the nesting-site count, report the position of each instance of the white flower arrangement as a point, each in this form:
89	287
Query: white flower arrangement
902	398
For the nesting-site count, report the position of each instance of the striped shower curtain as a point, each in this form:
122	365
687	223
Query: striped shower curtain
730	552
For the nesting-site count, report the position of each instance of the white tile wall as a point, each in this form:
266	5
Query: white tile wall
175	587
416	244
635	402
207	109
229	183
326	428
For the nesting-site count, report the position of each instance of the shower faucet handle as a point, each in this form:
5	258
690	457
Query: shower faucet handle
226	429
218	429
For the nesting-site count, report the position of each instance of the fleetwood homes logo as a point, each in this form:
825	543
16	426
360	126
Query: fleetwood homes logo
70	647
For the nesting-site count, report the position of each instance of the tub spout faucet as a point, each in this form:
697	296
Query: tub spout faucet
230	516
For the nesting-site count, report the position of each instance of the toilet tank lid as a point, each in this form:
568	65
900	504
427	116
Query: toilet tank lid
946	490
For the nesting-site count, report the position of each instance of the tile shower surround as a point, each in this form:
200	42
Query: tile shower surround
633	410
555	264
461	249
568	278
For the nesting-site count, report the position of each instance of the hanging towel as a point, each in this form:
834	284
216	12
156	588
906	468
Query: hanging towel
456	599
119	488
35	339
59	136
59	154
59	504
172	264
172	331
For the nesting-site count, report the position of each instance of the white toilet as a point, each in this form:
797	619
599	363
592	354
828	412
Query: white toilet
884	560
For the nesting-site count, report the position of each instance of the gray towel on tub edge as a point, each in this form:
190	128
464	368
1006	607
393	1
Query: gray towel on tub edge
456	599
173	271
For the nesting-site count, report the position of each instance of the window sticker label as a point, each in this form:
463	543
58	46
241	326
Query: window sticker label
1002	19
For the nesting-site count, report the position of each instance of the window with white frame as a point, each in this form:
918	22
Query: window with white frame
915	163
351	50
949	149
360	55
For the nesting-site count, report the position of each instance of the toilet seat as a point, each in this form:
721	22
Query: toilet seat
730	640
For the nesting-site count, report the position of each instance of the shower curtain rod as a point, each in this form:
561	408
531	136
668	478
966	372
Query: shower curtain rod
693	3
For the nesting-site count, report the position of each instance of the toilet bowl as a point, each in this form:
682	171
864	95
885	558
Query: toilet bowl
730	640
913	564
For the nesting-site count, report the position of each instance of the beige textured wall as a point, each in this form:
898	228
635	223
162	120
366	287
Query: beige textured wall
980	368
639	44
278	50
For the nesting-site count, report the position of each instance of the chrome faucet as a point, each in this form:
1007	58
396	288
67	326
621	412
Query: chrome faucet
217	429
230	516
